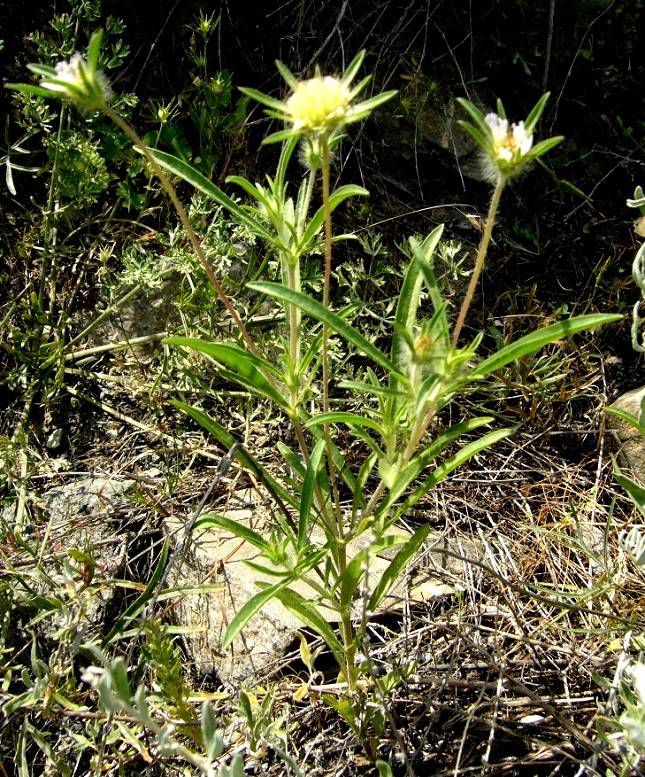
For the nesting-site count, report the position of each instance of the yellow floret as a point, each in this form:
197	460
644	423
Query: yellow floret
318	104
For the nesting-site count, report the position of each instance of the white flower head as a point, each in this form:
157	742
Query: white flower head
69	72
78	79
508	145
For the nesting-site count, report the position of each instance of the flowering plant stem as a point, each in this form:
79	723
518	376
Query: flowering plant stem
183	216
481	257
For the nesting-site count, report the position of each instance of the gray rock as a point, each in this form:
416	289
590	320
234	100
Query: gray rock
217	582
629	442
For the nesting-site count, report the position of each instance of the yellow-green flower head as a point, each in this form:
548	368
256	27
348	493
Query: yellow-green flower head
318	104
319	107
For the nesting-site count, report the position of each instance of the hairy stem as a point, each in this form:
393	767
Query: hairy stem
168	187
481	257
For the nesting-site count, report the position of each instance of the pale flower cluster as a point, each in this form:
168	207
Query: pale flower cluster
77	81
508	145
69	72
319	103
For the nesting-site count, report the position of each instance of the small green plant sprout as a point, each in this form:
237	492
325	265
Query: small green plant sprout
111	681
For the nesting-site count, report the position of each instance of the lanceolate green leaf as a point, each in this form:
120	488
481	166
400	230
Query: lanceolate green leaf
249	609
396	567
635	491
318	311
430	453
628	417
310	616
538	339
422	254
227	440
448	466
139	603
342	417
246	368
308	491
234	527
354	571
202	184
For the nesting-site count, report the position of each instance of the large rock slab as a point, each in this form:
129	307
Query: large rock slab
218	583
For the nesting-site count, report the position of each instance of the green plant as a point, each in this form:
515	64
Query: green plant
110	679
626	732
403	391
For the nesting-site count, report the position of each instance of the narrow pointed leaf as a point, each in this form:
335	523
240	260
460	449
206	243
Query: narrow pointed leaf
341	417
443	470
310	616
227	441
249	609
354	571
546	145
308	491
139	603
396	567
629	417
354	66
264	99
538	339
318	311
479	138
236	528
475	114
246	368
201	183
535	114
